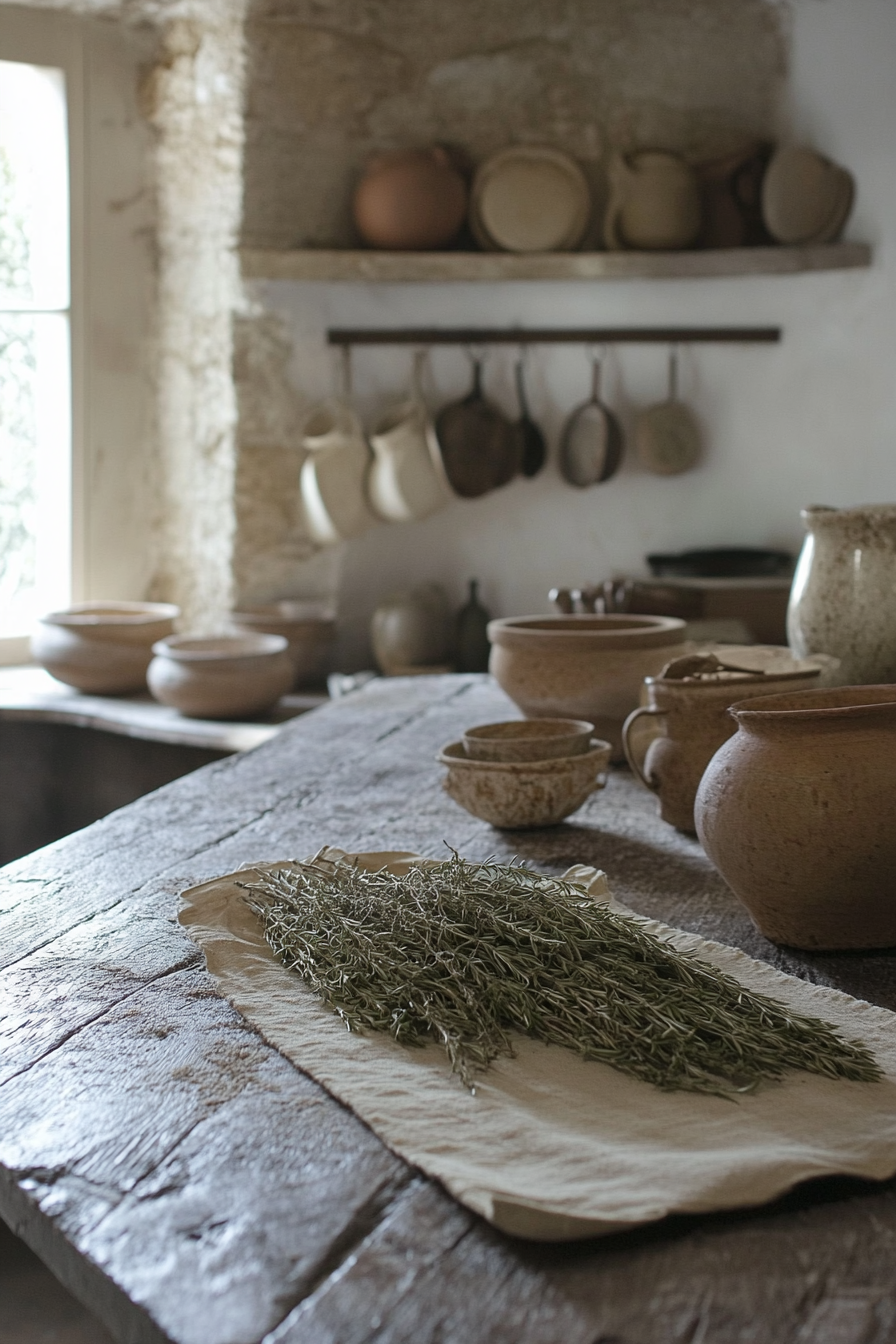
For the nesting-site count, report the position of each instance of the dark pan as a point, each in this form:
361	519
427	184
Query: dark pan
479	446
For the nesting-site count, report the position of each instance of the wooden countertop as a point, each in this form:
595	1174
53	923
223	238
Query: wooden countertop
191	1185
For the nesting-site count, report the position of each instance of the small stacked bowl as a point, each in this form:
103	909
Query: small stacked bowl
521	774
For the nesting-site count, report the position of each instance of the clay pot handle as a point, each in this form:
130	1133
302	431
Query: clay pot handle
628	746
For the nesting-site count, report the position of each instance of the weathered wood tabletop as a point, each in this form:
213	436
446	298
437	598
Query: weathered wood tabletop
191	1185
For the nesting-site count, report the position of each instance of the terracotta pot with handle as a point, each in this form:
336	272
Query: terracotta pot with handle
411	200
796	811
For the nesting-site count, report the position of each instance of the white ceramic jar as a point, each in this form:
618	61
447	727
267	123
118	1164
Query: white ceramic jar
221	676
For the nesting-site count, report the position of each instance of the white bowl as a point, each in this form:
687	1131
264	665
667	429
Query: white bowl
220	676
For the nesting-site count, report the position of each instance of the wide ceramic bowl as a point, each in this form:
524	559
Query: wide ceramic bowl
220	676
308	628
582	667
519	795
102	648
528	739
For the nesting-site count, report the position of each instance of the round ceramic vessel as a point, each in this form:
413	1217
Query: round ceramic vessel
796	812
519	795
220	676
528	739
102	648
692	719
412	199
529	198
309	636
843	598
583	667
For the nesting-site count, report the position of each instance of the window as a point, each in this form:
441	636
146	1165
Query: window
35	350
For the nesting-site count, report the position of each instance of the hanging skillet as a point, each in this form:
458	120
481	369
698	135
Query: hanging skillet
479	445
532	447
592	442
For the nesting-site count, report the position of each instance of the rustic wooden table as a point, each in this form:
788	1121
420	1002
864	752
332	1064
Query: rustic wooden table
191	1185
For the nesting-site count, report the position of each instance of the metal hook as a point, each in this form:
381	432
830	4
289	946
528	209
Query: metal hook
673	372
346	373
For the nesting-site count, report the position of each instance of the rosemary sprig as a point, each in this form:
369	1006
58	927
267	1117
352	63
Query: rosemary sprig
467	954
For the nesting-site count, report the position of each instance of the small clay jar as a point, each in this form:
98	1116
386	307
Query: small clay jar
410	201
654	202
412	630
796	812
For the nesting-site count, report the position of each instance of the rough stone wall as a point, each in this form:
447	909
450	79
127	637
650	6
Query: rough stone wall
332	81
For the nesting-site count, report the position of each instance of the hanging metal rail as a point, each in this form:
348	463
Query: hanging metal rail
349	336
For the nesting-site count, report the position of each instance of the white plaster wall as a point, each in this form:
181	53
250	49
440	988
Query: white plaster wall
813	420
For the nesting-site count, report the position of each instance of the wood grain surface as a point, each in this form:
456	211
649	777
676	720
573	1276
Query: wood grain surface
190	1185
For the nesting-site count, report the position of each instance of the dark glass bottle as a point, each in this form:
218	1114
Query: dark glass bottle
471	644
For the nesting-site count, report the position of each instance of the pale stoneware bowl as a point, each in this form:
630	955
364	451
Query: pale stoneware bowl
796	812
528	739
517	795
220	676
102	648
309	631
582	667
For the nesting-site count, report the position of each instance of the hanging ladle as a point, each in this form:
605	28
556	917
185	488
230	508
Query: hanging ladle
532	447
592	443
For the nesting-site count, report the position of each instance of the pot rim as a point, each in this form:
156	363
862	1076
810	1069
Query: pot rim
615	631
111	614
219	649
820	705
851	513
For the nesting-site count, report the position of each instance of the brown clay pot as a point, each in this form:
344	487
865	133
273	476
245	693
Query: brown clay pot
796	811
582	667
688	705
412	200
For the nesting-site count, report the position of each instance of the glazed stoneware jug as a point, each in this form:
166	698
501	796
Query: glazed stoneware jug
843	599
688	705
654	202
796	812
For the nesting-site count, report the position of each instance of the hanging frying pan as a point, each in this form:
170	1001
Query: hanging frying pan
592	443
532	448
479	445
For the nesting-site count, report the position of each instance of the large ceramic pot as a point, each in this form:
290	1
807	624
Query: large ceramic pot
687	704
102	648
796	812
582	667
843	599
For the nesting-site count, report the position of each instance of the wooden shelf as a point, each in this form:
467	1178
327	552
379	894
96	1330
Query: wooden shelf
398	267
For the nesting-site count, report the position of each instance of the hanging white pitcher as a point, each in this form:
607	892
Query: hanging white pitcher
334	474
406	480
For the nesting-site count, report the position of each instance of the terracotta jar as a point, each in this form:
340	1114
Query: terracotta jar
410	200
688	704
412	630
654	202
843	598
582	667
796	811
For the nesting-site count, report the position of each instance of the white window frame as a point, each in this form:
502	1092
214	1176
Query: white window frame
48	39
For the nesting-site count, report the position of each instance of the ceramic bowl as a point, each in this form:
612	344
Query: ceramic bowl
582	667
517	795
102	648
529	198
220	676
307	627
528	739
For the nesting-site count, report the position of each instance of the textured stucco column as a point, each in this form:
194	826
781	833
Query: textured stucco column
193	98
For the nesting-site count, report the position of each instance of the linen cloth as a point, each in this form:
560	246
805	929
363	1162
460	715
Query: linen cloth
551	1146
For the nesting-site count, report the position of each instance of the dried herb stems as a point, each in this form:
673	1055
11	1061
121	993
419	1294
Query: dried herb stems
468	954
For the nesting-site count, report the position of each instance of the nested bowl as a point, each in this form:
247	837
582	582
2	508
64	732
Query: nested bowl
220	676
519	795
528	739
102	648
582	667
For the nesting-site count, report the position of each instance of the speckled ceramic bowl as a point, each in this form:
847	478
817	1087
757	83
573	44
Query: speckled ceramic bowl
518	795
528	739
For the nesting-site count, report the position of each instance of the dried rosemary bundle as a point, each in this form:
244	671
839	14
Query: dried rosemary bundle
469	953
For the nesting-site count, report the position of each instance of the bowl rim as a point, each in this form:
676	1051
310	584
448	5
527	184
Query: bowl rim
112	613
453	754
819	704
616	631
556	727
189	648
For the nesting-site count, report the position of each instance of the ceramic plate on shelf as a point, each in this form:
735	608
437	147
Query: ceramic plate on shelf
530	199
805	197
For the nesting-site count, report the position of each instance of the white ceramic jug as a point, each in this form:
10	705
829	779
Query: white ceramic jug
843	599
406	478
334	475
654	202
